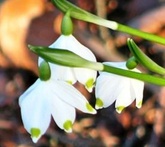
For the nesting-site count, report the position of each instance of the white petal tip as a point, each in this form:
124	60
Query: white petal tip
139	104
90	84
35	134
34	139
94	112
119	109
89	89
99	104
68	126
90	109
68	131
98	107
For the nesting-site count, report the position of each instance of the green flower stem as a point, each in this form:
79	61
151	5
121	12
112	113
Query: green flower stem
144	35
70	59
143	59
131	74
83	15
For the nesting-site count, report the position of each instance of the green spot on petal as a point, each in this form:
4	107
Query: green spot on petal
35	132
89	84
99	103
120	109
69	82
90	108
68	126
139	104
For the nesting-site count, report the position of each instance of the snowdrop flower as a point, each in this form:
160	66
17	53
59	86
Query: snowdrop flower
85	76
50	97
111	87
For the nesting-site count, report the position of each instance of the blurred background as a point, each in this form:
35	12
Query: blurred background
37	22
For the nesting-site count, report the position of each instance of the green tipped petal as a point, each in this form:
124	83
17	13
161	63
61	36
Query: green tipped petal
90	108
99	103
70	82
89	84
139	104
119	109
68	126
35	134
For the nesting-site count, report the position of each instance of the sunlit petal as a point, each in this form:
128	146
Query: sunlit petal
111	87
34	114
72	96
29	90
62	113
87	77
81	74
138	87
106	89
126	95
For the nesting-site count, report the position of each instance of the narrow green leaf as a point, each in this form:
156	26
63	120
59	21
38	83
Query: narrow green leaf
143	59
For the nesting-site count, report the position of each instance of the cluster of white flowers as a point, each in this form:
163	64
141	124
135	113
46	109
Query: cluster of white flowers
57	97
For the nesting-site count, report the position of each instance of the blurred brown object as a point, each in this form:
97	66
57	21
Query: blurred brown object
15	18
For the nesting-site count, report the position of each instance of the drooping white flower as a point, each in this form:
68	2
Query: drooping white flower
51	97
46	98
85	76
123	90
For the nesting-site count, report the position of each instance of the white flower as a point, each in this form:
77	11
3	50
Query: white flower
51	98
111	87
85	76
54	95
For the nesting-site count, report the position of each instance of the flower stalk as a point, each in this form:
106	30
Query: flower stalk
83	15
67	58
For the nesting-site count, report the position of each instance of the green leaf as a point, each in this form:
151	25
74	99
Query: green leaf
143	59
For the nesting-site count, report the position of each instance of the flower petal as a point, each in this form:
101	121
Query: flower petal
106	89
86	77
36	118
126	95
138	87
72	96
70	43
63	113
29	90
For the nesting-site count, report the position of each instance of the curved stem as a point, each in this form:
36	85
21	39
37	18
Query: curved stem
67	58
81	14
